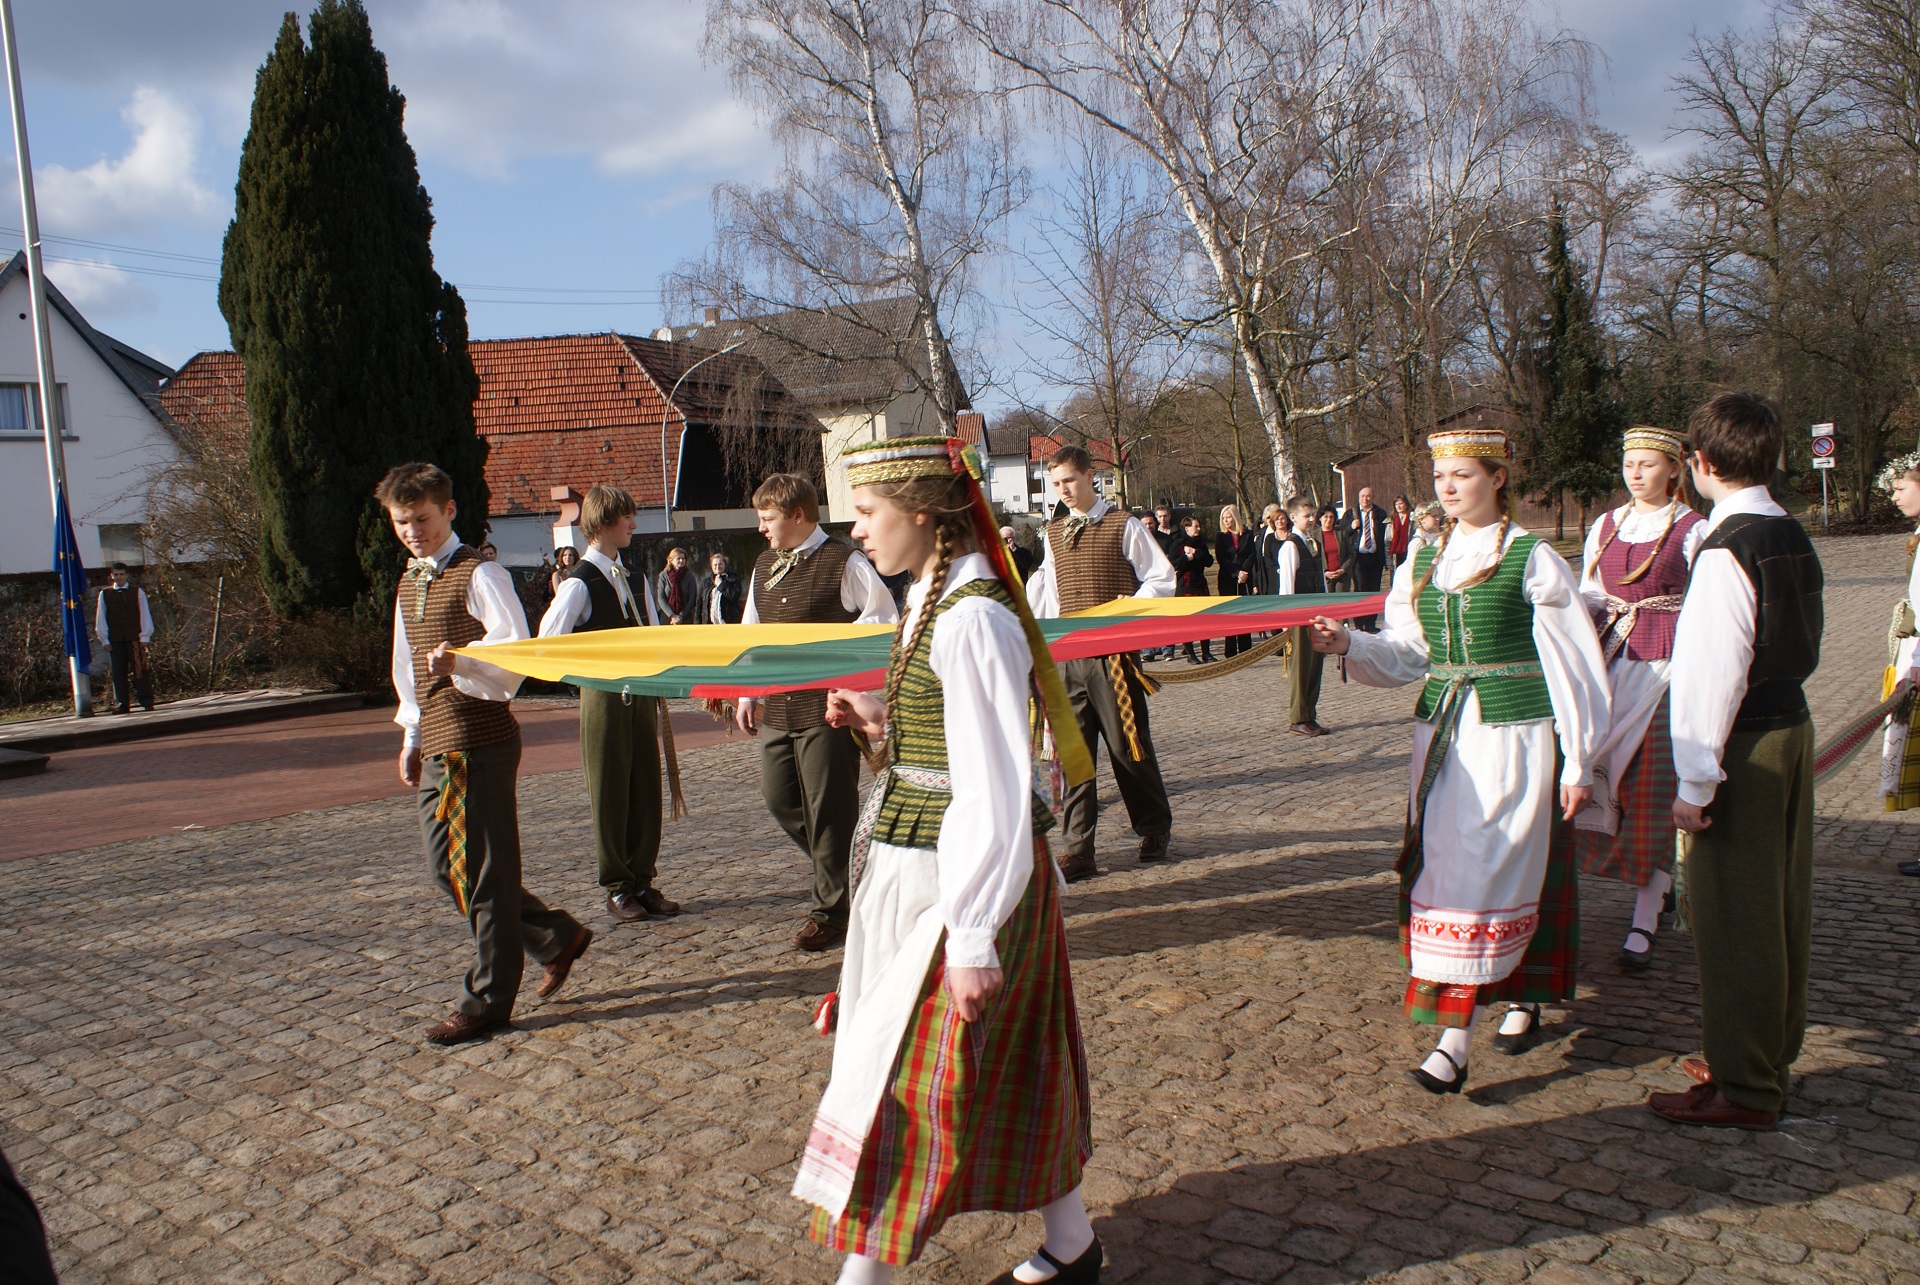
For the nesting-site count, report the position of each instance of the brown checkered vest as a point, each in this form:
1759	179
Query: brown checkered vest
807	595
1093	569
449	718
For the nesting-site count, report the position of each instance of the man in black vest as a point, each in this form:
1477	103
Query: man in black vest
619	734
1298	569
124	624
1747	639
1367	523
809	771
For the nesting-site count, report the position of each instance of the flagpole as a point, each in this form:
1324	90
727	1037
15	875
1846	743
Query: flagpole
42	333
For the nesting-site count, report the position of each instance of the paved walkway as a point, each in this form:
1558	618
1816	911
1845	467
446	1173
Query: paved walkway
211	1066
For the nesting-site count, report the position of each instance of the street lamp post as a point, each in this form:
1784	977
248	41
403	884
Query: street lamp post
666	492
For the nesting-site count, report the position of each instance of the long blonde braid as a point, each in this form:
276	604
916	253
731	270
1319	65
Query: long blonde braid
951	532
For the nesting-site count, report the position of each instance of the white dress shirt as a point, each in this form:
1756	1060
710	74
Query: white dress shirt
861	588
572	603
490	600
100	614
1142	551
1287	568
1712	651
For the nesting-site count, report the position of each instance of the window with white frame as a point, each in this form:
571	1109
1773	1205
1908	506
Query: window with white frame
20	410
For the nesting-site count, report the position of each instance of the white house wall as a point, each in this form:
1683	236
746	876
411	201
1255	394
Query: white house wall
114	445
908	415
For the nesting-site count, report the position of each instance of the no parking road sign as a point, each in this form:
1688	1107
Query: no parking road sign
1822	448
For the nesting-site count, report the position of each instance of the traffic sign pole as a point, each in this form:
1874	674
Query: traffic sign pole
1823	445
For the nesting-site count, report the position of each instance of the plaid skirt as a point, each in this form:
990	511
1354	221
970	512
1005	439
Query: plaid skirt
987	1115
1644	844
1900	758
1545	974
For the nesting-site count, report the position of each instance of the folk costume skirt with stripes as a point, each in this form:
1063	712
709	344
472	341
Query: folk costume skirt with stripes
1900	754
1643	841
964	1116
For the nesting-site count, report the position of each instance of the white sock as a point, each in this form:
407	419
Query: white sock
1069	1235
1516	1020
861	1270
1646	905
1454	1043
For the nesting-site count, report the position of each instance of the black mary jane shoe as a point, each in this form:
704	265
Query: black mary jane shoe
1084	1270
1433	1083
1637	961
1520	1041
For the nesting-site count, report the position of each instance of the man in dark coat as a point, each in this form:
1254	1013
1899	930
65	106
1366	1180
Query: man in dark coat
1369	529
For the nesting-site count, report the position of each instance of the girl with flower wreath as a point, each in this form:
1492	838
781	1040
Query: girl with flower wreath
1637	561
959	1079
1492	621
1900	753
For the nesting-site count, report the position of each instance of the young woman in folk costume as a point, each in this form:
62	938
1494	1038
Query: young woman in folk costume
1637	558
959	1078
1900	754
1491	619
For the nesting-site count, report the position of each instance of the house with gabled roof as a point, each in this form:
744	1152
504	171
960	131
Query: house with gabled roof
677	426
859	368
115	443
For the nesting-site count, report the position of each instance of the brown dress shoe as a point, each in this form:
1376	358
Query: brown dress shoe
462	1027
1075	868
657	904
1307	729
1697	1069
563	963
820	936
1704	1105
1153	847
626	907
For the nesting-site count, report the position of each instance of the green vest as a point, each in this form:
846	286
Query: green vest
1484	633
912	810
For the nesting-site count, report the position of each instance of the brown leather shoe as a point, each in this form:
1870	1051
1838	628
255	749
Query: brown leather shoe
820	936
1153	847
1075	868
626	907
461	1027
1697	1069
563	963
1307	729
657	904
1704	1105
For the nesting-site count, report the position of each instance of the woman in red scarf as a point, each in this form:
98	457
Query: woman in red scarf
677	588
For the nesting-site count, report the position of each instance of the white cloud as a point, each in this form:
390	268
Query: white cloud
151	185
100	290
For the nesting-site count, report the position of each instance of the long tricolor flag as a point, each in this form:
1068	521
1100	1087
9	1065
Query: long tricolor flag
725	661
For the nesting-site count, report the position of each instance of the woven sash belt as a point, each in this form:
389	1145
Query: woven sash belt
1623	614
925	778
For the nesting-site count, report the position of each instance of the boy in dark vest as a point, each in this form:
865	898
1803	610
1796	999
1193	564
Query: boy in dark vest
1300	571
462	751
1748	637
809	772
124	624
1097	553
619	734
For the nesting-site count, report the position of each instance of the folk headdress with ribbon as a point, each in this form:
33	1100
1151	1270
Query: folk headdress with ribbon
904	459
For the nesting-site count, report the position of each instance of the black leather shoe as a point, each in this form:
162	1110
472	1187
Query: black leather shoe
1520	1041
1084	1270
1911	868
1637	961
1433	1083
1153	847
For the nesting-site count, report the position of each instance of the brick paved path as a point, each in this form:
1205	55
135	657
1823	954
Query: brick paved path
211	1066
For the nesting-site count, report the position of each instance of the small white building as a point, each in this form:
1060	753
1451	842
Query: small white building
115	441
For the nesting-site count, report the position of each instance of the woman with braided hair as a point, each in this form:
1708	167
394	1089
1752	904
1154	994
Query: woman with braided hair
959	1078
1492	621
1637	558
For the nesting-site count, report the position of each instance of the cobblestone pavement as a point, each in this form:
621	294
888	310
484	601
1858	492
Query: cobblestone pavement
211	1066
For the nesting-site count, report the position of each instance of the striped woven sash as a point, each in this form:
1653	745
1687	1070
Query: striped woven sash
924	778
1621	616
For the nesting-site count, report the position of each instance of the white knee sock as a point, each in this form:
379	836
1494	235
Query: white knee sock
1069	1235
1454	1042
861	1270
1646	905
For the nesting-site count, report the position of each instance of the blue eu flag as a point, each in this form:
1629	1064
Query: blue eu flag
73	585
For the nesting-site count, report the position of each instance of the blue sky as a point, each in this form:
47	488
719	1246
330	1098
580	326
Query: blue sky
569	145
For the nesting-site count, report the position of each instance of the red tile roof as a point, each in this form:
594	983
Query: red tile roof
566	410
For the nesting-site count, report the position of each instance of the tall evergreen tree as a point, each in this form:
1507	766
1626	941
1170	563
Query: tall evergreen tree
1581	417
355	349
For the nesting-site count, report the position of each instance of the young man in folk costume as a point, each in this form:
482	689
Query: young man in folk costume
123	623
809	771
959	1077
1097	553
1298	570
1492	621
1900	751
619	734
461	749
1748	638
1637	557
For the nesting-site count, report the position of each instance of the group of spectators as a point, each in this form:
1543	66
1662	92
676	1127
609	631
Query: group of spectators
683	596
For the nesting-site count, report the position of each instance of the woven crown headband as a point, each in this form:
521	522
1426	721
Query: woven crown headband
1645	437
902	459
1479	443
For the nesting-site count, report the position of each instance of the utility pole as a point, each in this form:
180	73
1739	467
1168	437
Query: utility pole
42	332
